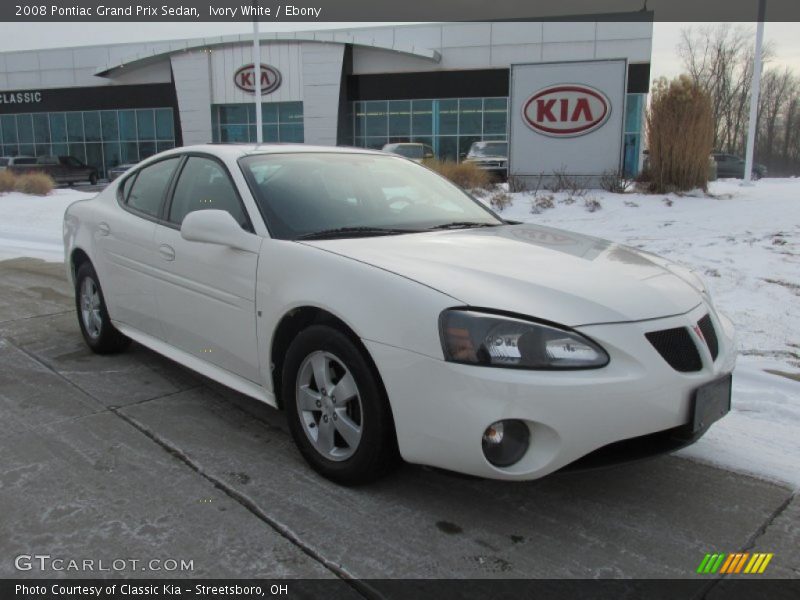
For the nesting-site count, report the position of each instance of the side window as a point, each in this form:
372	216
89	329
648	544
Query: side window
150	185
126	187
204	184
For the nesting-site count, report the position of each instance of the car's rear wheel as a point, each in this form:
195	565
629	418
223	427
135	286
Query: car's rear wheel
93	179
98	332
337	409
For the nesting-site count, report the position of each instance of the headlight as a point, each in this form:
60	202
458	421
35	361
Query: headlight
499	341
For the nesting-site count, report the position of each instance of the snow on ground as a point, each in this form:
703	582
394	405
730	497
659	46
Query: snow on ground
32	225
745	244
743	241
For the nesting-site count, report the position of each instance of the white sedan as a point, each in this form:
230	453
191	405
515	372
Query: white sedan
393	316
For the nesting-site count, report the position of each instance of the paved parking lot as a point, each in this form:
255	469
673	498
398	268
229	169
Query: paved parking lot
134	456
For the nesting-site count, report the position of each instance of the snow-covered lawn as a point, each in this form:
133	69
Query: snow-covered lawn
744	242
32	225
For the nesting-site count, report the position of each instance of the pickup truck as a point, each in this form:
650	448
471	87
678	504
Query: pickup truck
63	169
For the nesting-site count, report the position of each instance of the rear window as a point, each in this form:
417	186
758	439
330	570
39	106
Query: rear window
410	151
151	183
24	161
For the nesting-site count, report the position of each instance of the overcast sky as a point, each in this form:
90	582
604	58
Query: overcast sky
25	36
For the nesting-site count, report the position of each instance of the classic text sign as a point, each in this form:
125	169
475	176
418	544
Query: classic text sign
245	79
566	110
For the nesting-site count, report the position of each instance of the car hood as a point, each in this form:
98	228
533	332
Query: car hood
543	272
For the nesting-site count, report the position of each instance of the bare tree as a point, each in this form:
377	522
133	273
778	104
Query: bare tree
720	60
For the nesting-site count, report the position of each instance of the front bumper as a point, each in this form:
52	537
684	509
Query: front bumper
441	409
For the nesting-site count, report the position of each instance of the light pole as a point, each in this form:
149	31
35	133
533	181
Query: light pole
257	74
755	90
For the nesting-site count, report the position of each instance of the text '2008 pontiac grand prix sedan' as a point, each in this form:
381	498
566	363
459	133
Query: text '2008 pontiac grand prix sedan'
392	315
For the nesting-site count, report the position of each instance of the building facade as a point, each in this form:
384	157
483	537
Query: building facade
446	85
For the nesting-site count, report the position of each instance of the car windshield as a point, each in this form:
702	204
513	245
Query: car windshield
489	149
352	194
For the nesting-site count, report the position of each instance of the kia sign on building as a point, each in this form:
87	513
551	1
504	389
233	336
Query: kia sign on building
245	79
566	118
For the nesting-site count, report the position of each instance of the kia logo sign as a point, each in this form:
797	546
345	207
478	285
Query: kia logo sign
566	110
245	79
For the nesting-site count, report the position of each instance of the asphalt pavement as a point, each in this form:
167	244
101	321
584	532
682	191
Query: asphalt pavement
132	456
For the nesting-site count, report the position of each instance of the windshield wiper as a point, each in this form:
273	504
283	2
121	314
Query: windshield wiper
341	232
462	225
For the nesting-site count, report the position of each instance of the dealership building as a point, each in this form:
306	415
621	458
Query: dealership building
446	85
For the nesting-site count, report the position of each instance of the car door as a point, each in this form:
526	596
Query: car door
125	240
206	292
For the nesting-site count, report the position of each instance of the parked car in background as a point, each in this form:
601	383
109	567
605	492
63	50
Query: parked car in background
730	165
489	156
115	172
7	162
63	169
413	150
391	314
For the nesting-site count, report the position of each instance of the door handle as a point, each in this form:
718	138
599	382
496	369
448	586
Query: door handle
166	252
103	228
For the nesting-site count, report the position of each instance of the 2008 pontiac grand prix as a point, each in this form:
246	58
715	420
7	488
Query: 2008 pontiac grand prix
391	315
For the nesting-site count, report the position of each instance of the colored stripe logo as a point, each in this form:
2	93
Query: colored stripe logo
732	564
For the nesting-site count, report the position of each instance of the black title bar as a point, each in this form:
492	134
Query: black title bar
393	10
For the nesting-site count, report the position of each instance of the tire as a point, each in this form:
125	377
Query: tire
93	179
365	407
98	332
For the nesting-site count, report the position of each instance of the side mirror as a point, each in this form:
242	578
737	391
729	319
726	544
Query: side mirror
218	227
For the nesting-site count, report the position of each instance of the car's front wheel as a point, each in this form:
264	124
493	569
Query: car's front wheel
337	409
98	332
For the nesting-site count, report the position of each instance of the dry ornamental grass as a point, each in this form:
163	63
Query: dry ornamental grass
465	175
37	184
7	181
680	134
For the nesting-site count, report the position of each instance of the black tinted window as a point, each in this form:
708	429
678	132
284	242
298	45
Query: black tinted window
204	184
150	185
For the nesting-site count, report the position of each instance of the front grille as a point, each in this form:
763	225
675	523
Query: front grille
707	329
677	348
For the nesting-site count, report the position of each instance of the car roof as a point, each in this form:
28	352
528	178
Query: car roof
234	151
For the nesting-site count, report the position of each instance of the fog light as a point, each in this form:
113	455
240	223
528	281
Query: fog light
505	442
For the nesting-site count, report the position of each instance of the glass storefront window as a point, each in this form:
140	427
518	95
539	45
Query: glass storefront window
91	126
109	125
422	117
9	126
75	127
399	118
58	127
145	124
448	118
41	128
448	125
470	116
281	122
127	125
164	125
495	116
25	129
102	139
